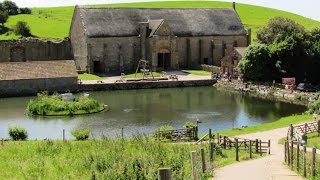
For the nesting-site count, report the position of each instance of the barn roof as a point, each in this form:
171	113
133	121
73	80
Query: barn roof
37	70
113	22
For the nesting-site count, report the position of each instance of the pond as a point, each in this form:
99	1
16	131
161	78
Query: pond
143	111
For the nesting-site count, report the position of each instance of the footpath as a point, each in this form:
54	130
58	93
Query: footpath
270	167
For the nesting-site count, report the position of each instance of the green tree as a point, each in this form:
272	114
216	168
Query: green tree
278	29
22	28
256	63
10	7
3	17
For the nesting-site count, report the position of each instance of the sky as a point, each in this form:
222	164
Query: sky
307	8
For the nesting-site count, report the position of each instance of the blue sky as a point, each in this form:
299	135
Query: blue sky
307	8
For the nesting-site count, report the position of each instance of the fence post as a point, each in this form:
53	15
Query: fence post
250	149
210	135
285	151
237	150
305	128
288	152
224	142
291	154
298	154
211	151
194	165
122	133
164	173
260	148
218	140
318	123
269	148
203	160
257	146
291	131
63	135
304	161
313	162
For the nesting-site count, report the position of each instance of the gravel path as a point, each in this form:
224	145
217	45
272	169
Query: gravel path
270	167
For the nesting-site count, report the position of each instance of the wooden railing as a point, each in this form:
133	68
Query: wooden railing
179	134
298	134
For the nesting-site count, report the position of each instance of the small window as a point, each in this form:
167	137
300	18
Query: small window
205	60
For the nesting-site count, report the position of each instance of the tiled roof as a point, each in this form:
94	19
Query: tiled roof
37	69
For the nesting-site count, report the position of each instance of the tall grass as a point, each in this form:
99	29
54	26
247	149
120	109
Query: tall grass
135	158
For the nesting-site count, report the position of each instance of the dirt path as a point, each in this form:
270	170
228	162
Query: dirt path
270	167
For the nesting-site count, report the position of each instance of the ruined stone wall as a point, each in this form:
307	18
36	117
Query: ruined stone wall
194	50
115	54
34	50
27	87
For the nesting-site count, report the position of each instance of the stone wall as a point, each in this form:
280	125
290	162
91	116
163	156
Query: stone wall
34	50
28	87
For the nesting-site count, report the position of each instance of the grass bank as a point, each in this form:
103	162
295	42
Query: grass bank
197	72
87	76
280	123
136	158
55	22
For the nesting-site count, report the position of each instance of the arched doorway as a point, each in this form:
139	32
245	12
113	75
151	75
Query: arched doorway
164	59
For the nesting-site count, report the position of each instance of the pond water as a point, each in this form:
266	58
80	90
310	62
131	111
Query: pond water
144	111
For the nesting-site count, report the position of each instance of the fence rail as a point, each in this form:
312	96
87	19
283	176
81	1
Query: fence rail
298	134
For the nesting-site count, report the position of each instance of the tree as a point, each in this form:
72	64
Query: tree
278	29
25	10
256	63
3	17
22	28
10	7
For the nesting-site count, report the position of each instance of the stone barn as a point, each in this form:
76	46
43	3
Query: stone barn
113	40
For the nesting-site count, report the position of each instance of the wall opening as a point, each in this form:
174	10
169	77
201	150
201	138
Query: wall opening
164	61
97	67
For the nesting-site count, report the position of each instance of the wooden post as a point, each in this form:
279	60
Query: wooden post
288	152
291	131
211	151
269	148
298	154
63	135
260	148
313	162
257	146
305	128
218	141
304	161
122	133
291	154
250	149
285	150
237	150
318	123
225	142
164	173
210	135
194	165
203	160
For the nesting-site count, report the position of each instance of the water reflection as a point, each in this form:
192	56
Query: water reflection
145	110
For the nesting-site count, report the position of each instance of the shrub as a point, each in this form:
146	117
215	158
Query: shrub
188	124
314	107
3	17
81	134
22	28
18	133
25	10
166	128
10	7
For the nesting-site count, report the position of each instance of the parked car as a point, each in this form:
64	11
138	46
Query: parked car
306	87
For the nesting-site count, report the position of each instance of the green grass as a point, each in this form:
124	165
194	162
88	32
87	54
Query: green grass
198	72
313	140
282	122
55	22
139	75
136	158
86	76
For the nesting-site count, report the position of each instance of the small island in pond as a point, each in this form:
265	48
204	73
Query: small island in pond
63	105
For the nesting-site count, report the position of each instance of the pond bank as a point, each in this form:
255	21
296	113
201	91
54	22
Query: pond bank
269	91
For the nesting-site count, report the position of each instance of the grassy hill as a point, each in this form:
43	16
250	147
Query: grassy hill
54	23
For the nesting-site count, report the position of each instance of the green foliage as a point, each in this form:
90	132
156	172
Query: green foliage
22	28
278	29
10	7
81	134
188	124
255	63
18	133
87	76
54	105
25	10
134	158
3	17
314	107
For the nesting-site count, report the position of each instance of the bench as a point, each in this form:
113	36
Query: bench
173	77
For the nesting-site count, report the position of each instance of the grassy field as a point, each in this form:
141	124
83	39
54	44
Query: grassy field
282	122
55	22
198	72
136	158
313	140
86	76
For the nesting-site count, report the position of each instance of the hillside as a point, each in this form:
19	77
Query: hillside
54	23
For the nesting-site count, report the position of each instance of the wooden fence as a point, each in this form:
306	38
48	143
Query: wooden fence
299	159
298	134
179	134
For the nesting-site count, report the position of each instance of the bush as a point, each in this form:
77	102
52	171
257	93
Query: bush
18	133
25	10
3	17
10	7
314	107
188	124
22	28
81	134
